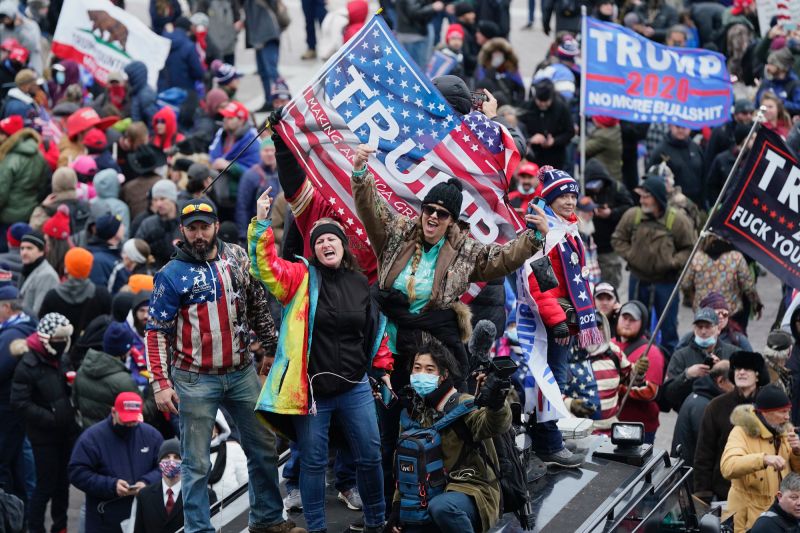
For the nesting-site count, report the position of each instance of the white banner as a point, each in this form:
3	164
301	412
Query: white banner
104	39
787	11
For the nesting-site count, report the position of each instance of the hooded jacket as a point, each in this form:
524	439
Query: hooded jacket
240	139
686	161
107	186
106	258
80	300
101	377
160	235
614	195
182	68
171	134
23	174
17	327
687	427
142	96
504	82
753	485
72	74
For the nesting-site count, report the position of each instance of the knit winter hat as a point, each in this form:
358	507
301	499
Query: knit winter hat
169	446
568	50
106	226
715	301
35	238
447	195
78	262
655	186
783	59
136	250
556	183
165	189
456	30
53	325
779	346
84	165
118	339
57	226
11	125
64	179
15	233
140	282
772	398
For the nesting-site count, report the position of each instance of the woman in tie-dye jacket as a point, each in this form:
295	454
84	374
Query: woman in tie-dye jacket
331	337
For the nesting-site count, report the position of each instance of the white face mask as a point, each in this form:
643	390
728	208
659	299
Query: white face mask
498	58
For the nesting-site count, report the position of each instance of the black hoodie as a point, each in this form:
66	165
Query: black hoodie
614	195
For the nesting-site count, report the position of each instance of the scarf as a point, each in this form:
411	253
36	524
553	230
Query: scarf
30	267
576	273
117	95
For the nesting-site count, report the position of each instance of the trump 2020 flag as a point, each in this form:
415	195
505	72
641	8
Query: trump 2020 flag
440	64
632	78
371	92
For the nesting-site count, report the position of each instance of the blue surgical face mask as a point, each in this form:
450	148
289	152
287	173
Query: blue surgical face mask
423	383
705	343
61	77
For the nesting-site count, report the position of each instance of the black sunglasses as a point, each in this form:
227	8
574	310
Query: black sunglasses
441	214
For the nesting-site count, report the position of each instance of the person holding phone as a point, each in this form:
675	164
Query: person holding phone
330	338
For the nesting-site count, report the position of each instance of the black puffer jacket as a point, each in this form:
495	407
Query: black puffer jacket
413	16
615	196
685	159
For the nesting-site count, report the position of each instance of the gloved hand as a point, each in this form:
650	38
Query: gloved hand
275	117
494	392
641	366
561	333
393	519
580	408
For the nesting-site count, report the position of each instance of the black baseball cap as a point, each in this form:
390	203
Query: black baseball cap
198	211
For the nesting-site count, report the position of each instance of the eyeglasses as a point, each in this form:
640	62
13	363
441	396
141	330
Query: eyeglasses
441	214
191	208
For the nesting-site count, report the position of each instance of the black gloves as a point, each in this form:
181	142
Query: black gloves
494	391
561	330
275	117
393	519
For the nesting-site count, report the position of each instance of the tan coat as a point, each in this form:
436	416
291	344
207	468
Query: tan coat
462	260
753	487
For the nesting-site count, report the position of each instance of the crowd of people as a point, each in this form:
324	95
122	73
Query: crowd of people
166	329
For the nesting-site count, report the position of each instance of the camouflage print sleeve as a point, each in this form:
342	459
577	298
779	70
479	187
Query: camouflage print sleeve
259	316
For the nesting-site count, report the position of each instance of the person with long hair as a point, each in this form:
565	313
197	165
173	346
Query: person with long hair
776	118
330	337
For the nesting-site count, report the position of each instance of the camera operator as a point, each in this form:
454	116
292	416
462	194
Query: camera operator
471	500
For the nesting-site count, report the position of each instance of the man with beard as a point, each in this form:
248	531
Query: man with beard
210	362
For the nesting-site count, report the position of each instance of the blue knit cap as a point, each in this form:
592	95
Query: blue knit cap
555	183
118	339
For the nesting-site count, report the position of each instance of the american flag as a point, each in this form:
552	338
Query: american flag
372	92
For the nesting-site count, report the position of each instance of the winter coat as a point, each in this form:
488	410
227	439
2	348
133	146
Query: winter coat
241	137
80	300
12	262
23	174
661	18
79	210
260	24
641	405
72	74
605	145
787	89
728	274
40	392
101	377
565	21
251	185
654	253
296	286
776	520
159	20
461	261
718	171
685	159
556	121
678	385
160	234
614	195
753	486
143	97
100	458
715	427
37	284
221	16
504	82
171	136
134	194
182	68
30	37
413	16
687	427
105	259
482	486
489	305
18	327
19	103
107	187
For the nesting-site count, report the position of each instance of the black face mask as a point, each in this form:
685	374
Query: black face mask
121	431
59	346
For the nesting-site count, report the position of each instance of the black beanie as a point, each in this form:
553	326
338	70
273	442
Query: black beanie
447	195
771	398
489	29
327	227
35	238
455	91
657	188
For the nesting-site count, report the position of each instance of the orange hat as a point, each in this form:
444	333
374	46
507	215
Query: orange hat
234	109
11	125
57	226
78	262
140	282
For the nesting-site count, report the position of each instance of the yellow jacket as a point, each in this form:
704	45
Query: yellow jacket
753	486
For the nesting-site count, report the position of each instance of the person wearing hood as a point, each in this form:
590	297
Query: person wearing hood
38	275
113	460
77	298
136	259
114	99
40	393
161	230
182	68
165	129
632	337
612	199
144	163
255	181
691	363
142	96
107	184
762	449
27	33
15	324
685	158
498	72
105	247
690	416
65	73
656	242
748	373
23	173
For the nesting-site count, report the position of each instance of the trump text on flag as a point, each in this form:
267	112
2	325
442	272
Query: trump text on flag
633	78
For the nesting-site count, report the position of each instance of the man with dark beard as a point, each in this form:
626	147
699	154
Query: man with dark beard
202	309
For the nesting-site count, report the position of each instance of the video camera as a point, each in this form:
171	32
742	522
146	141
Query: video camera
502	368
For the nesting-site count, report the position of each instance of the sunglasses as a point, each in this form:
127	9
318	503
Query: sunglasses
161	121
441	214
191	208
723	314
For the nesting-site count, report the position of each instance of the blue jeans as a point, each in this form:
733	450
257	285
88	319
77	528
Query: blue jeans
546	437
355	410
344	468
419	52
200	396
313	11
451	512
267	64
655	296
531	11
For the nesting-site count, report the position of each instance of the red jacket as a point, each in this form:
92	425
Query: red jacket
641	405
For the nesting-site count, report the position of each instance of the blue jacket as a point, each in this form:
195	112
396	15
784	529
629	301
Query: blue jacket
18	327
19	103
105	259
242	137
252	184
100	458
182	68
159	21
787	89
143	97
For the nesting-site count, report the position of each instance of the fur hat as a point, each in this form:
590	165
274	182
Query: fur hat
779	346
750	361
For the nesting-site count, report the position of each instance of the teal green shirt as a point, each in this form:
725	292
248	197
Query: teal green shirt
423	285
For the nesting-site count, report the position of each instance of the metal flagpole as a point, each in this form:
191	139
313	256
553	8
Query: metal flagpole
582	146
756	124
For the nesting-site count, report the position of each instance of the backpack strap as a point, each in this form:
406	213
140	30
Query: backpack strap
637	217
632	347
671	213
454	414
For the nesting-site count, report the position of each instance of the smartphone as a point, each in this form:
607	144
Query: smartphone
708	361
540	203
388	397
478	98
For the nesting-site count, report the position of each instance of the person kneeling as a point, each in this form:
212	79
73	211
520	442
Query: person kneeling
445	455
